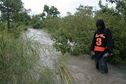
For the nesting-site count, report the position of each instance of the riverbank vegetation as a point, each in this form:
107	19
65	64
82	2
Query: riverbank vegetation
19	57
19	62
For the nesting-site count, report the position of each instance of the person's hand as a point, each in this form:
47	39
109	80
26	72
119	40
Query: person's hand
92	53
105	55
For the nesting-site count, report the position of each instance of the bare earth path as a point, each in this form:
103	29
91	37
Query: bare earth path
83	70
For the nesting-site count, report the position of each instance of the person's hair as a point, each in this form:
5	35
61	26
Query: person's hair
100	22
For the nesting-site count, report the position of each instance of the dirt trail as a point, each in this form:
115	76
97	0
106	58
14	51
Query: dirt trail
83	70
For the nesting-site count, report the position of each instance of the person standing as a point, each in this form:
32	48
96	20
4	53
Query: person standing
102	46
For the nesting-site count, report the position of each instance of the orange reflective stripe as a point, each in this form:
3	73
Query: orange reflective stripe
97	48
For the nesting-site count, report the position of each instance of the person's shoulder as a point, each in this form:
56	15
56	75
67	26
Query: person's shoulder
107	30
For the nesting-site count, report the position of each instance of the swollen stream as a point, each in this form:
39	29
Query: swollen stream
47	53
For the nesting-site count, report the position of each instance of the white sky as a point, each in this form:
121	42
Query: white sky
63	6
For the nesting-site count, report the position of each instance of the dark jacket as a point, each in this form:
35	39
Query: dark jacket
102	40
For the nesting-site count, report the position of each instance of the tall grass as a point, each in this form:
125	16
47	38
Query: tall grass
19	62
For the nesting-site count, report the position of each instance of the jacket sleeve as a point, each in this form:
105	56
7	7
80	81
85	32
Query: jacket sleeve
110	42
93	42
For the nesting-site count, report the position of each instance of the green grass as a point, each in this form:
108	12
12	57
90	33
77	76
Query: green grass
19	62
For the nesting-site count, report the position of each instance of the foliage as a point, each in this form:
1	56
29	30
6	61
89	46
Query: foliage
22	17
9	8
50	11
12	11
39	21
19	61
73	30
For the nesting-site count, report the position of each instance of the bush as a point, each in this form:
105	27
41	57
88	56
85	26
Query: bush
37	25
72	29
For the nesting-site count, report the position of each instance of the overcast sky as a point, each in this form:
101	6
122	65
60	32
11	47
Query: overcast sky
63	5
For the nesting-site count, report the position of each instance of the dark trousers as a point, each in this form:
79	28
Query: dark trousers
101	62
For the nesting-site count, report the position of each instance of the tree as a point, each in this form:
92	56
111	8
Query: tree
22	17
54	11
86	10
50	11
9	9
37	21
120	7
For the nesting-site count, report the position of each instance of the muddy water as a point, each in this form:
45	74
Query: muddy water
48	54
84	72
